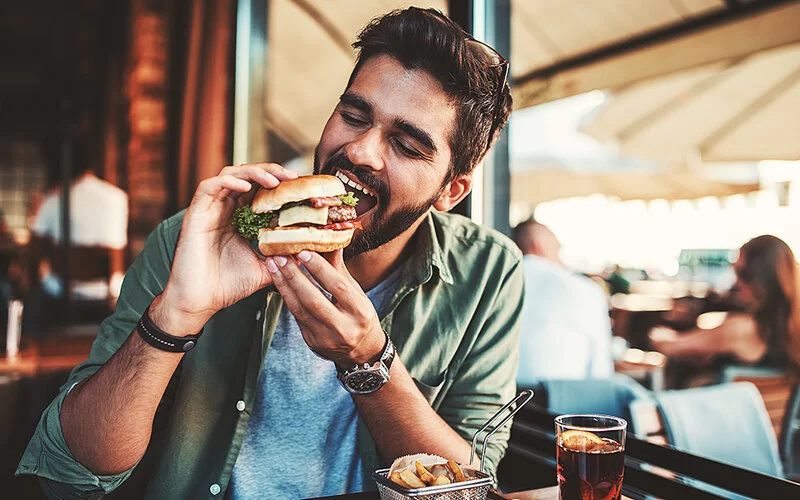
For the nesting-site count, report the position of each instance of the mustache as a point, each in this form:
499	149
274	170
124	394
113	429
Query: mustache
340	162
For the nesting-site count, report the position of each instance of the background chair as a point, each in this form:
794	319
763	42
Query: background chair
726	422
789	438
609	396
774	384
72	313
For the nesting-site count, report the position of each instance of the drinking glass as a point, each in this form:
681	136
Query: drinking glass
590	452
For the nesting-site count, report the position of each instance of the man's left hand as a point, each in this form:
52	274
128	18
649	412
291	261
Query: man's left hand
344	329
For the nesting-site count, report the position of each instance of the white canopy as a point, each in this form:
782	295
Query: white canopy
531	187
742	109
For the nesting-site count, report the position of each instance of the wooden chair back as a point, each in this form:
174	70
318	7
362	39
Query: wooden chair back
775	387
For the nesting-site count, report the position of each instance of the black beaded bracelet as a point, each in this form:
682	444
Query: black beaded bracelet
160	339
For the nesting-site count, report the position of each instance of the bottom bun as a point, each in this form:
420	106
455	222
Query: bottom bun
292	240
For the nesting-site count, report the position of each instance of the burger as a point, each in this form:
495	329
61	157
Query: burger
313	212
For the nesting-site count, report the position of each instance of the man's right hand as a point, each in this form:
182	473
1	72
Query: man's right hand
214	267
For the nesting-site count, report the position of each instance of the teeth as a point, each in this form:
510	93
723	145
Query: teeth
353	184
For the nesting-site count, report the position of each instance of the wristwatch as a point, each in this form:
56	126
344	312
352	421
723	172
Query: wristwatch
366	378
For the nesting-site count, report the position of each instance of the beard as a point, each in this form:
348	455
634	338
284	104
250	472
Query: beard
385	225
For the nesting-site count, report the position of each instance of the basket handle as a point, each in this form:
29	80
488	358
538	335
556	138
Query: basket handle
527	395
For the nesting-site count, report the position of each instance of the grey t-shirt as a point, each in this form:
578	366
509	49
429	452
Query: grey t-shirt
301	438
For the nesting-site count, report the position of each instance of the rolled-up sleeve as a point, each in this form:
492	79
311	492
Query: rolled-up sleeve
47	456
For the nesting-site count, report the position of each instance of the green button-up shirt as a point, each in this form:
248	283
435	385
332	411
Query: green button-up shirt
454	319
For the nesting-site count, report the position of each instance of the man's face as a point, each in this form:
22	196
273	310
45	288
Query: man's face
389	135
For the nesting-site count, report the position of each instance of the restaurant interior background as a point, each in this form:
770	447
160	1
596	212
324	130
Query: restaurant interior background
653	137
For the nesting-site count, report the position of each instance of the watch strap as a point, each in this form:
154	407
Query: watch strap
389	352
162	340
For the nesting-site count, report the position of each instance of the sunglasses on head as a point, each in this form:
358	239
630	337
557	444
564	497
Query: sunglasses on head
492	60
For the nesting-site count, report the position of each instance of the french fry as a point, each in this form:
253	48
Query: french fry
441	480
423	473
457	472
411	479
395	478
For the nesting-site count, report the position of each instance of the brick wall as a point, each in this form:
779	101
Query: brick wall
147	146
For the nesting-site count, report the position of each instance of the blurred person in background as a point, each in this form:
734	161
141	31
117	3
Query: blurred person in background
98	219
765	331
98	236
566	330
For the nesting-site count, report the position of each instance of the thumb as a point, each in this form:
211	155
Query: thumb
336	259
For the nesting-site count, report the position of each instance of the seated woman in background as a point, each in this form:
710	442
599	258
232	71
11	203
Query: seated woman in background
767	329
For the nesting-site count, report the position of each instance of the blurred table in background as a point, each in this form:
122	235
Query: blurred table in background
27	385
37	356
646	367
633	315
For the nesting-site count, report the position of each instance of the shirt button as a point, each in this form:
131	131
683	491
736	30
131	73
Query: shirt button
258	315
214	489
240	405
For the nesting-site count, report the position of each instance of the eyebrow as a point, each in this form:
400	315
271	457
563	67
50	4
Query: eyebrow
416	133
357	102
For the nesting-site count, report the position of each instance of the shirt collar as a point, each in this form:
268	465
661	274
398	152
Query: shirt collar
428	254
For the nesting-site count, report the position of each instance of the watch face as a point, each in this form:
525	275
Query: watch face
364	382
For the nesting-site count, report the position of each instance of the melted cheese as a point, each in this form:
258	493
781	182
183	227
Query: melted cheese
303	214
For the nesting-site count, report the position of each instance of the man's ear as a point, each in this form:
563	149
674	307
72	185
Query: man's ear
454	192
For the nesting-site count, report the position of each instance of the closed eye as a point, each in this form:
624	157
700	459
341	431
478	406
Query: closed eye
406	150
352	119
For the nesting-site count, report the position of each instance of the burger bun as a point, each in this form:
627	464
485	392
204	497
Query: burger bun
299	189
291	240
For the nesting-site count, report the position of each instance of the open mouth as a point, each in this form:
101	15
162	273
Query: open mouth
366	198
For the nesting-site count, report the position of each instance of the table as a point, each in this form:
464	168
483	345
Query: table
644	367
47	355
550	493
538	494
651	470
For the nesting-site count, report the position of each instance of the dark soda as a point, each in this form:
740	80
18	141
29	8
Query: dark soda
592	472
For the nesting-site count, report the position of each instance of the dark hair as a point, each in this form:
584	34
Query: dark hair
81	159
521	232
771	271
427	40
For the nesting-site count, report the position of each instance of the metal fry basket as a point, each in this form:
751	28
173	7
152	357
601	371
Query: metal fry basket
473	489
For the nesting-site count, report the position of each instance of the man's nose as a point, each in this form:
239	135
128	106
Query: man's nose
366	149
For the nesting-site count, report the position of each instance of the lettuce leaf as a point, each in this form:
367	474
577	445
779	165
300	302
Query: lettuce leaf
248	223
348	199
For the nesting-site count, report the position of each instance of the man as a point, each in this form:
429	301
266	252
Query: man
567	330
256	410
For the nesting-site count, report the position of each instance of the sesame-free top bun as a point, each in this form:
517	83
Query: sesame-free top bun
302	188
292	239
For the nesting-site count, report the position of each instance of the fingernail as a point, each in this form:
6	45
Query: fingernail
271	266
281	260
304	255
